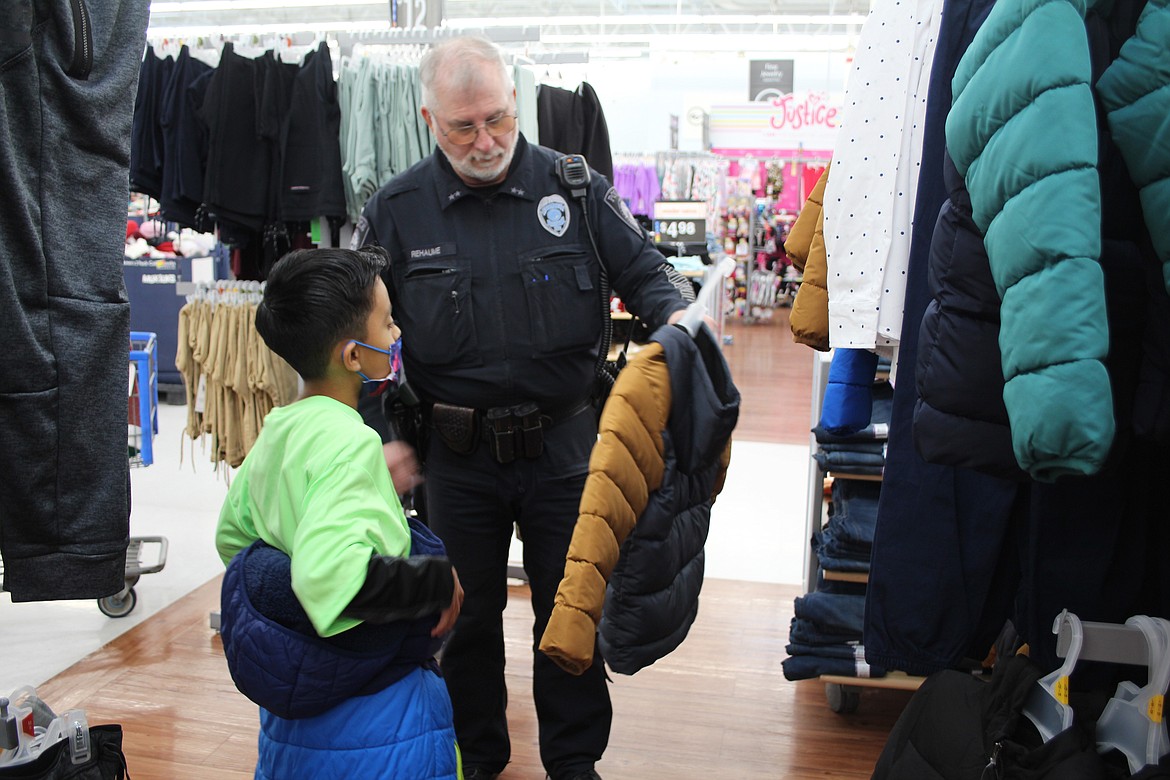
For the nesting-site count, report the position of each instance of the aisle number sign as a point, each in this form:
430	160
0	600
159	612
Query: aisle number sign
680	221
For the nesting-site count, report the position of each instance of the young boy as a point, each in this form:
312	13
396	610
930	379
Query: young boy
330	615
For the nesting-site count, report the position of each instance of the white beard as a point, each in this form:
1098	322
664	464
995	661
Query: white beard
499	159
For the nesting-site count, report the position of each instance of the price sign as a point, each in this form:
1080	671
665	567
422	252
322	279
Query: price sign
689	230
680	221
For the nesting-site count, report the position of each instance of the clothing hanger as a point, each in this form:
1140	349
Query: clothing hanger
1047	704
708	297
1132	720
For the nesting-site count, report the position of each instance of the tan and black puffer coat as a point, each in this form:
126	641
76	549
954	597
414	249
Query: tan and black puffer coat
805	247
635	564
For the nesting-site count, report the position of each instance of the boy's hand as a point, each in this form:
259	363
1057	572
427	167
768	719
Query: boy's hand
403	465
449	615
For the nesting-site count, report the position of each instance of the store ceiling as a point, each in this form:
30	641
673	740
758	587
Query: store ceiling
557	24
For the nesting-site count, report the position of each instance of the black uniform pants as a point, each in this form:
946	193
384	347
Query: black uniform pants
472	504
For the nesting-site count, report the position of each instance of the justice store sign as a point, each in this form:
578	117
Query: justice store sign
794	120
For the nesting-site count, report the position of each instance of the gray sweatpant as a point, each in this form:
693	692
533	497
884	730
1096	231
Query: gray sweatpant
68	75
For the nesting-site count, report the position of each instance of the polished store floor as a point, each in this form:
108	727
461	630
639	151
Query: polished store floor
718	707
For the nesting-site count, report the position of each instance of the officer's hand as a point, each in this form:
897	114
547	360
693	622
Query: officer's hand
678	315
403	465
451	613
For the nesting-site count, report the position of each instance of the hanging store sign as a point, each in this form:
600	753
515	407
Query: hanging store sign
770	79
800	119
412	14
680	221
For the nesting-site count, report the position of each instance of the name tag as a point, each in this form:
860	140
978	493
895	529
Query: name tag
429	252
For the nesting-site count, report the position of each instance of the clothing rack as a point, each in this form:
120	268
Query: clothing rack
245	45
416	36
229	291
1108	642
1132	721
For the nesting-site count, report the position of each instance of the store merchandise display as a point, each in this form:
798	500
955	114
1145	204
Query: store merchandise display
849	444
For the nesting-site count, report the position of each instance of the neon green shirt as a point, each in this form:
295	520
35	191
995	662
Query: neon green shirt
316	486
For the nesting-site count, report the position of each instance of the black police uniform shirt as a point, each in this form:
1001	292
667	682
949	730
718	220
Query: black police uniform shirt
497	291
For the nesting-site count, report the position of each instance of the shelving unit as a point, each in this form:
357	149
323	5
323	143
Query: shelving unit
842	693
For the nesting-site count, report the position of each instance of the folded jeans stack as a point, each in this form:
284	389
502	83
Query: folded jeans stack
857	450
825	637
845	543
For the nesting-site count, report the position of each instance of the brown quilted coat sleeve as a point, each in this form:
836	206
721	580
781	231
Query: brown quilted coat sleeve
625	468
806	241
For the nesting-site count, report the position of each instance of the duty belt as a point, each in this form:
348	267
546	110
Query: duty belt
510	431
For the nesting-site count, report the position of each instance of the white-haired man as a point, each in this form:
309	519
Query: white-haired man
495	279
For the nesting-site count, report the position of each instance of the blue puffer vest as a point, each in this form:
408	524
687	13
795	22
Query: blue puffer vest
366	703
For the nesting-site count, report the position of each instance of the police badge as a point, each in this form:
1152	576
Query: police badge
554	214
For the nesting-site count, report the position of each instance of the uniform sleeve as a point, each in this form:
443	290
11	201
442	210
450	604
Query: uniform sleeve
374	230
364	233
403	589
346	520
634	265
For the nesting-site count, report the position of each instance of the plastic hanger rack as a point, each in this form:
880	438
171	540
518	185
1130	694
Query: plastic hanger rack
1132	721
1047	705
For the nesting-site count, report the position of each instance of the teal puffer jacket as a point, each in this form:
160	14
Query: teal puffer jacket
1136	93
1022	131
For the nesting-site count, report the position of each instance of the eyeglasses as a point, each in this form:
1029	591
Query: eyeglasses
463	135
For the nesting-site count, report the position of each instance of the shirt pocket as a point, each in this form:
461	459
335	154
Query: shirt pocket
440	327
563	300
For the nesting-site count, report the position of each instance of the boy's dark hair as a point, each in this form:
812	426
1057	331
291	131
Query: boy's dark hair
314	298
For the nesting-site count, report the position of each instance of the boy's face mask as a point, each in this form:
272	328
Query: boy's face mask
394	359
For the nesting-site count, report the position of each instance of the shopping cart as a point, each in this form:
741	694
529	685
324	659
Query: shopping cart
141	428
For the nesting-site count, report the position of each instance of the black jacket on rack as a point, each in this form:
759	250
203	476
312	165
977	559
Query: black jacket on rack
960	418
236	181
184	140
311	153
146	136
573	123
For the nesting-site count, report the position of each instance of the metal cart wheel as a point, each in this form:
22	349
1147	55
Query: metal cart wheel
842	700
118	605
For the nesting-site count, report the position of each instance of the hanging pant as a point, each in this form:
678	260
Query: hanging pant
68	74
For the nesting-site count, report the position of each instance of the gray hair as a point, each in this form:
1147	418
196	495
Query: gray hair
455	62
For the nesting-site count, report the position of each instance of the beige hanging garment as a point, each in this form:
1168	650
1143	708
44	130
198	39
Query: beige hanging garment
188	367
233	422
249	429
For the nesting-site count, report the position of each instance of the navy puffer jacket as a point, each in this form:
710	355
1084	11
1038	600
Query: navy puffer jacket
659	462
959	416
653	593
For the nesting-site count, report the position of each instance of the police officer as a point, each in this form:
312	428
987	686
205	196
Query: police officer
495	284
